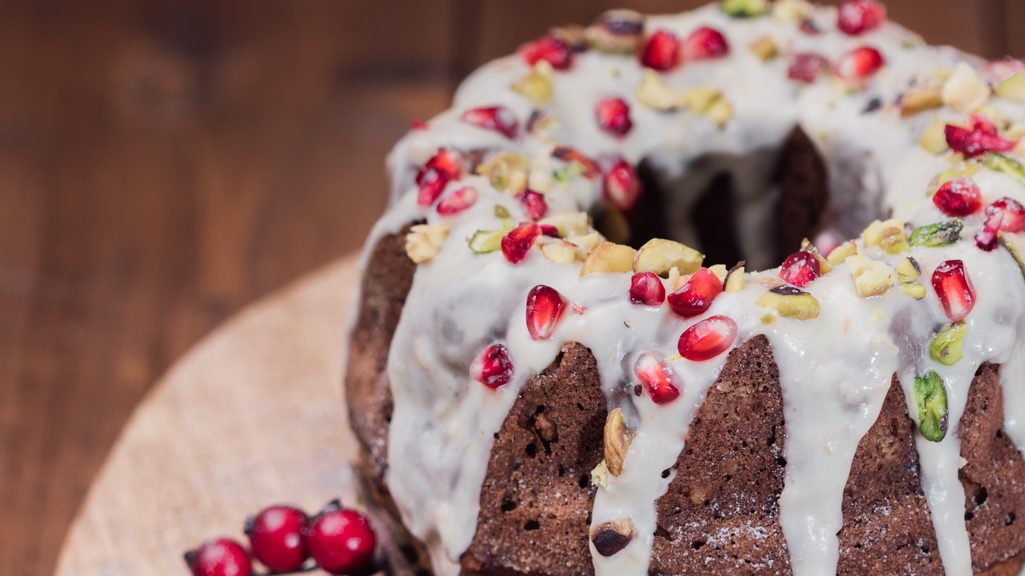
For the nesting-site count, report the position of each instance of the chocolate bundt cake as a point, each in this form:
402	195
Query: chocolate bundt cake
573	354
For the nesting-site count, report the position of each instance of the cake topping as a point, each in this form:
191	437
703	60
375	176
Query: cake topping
423	242
734	281
859	64
765	48
931	399
613	115
611	537
964	91
800	268
616	31
1008	166
536	85
744	8
958	197
887	235
871	277
533	204
1013	87
516	244
548	49
608	258
497	118
545	307
790	302
493	367
662	51
657	378
806	67
621	186
938	234
947	346
660	256
707	339
618	437
646	288
920	99
457	200
856	17
705	43
696	295
980	137
444	166
1004	215
951	283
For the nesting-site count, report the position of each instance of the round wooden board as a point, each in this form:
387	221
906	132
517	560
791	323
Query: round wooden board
253	415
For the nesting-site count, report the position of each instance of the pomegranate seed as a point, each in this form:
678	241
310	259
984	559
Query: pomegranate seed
800	268
621	185
534	204
550	230
613	116
958	197
342	541
950	281
418	124
705	43
497	118
657	378
980	137
566	154
859	16
277	538
444	166
493	368
458	200
550	49
518	241
662	52
860	64
809	27
1013	214
219	557
544	310
806	67
707	339
646	288
697	294
987	238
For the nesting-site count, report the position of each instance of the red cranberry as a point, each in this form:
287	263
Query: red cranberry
219	557
859	16
707	339
534	204
457	201
444	166
497	118
657	378
697	294
705	43
516	244
951	283
860	64
276	536
980	137
545	307
550	49
566	154
646	288
662	52
958	197
342	541
613	115
806	67
621	185
800	268
493	368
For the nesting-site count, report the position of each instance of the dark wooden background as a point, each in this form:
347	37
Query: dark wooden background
163	164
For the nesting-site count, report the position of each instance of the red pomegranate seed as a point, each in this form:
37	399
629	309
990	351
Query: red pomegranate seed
550	49
657	378
950	281
646	288
493	368
859	16
534	204
418	124
860	64
277	537
444	166
707	339
518	241
550	230
613	115
342	541
1013	214
958	197
697	294
800	268
457	200
662	52
544	309
705	43
497	118
219	557
566	154
987	238
806	67
621	185
980	137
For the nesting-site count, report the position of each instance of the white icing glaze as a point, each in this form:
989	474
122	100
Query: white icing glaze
835	370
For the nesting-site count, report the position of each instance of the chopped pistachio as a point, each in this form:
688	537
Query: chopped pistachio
700	99
608	258
423	242
721	112
916	291
842	252
1011	245
920	99
934	139
720	271
792	11
484	241
502	212
931	399
734	278
765	48
871	277
1013	88
744	8
506	171
908	270
586	243
659	256
938	234
568	223
964	91
654	93
947	346
537	84
600	475
790	302
1005	164
888	235
560	251
618	437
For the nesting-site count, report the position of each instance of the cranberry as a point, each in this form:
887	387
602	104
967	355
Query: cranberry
534	204
980	137
657	378
951	283
458	200
806	67
544	310
697	294
613	115
444	166
516	244
707	339
219	557
493	368
550	49
646	288
800	268
566	154
958	197
662	52
706	43
860	64
276	536
497	118
342	541
621	185
859	16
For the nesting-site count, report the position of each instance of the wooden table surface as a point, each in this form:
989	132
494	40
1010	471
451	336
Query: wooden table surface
164	163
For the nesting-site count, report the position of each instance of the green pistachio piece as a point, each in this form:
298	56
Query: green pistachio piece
1009	166
947	346
502	212
744	8
484	241
931	398
938	234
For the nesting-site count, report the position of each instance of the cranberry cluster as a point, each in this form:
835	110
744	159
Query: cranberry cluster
285	540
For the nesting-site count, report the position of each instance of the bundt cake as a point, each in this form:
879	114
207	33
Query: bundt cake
572	354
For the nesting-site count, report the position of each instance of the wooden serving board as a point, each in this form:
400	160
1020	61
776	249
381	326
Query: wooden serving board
253	415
